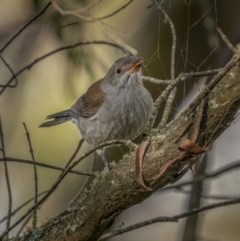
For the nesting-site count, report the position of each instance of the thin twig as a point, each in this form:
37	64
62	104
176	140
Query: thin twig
70	46
101	23
24	225
167	219
214	81
200	74
7	179
80	143
81	191
208	196
34	221
9	159
115	12
156	81
181	77
71	160
174	37
184	76
55	185
89	7
21	206
167	109
227	42
25	26
209	175
46	165
159	101
11	70
76	12
169	102
63	12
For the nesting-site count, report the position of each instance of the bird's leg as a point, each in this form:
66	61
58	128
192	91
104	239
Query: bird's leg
100	152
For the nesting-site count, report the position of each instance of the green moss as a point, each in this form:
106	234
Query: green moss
212	104
98	178
34	234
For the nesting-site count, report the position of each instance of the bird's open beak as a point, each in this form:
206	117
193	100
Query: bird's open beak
136	66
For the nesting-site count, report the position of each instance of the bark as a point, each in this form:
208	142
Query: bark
114	191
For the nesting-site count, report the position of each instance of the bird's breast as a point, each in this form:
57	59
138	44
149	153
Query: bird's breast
123	117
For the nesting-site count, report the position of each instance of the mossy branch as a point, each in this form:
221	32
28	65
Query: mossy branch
117	190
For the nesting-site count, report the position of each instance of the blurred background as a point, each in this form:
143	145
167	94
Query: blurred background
55	83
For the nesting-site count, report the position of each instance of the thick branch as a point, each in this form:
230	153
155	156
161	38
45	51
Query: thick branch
117	190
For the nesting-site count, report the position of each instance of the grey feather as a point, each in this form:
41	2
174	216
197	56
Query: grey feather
59	118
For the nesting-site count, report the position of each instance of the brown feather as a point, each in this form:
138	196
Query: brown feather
88	104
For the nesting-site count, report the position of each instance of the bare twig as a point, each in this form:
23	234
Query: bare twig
180	78
68	163
69	12
167	109
169	102
25	26
156	81
167	219
9	159
7	179
11	70
212	174
70	46
76	12
104	26
24	224
80	143
81	191
208	196
159	101
115	12
45	165
184	76
21	206
91	6
174	37
227	42
214	81
34	222
55	185
200	74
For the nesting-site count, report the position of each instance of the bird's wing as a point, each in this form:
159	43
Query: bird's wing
88	104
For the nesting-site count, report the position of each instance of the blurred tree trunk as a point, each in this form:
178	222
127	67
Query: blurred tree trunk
190	228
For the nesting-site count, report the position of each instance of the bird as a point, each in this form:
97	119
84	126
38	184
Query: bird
116	107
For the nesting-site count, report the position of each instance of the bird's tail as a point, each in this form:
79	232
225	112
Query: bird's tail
58	118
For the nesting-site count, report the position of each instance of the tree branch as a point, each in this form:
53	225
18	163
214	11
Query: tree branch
9	190
9	159
175	218
25	26
34	215
96	211
55	185
70	46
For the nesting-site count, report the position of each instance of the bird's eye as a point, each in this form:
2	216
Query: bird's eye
118	70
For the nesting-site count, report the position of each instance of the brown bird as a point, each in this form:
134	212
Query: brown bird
116	107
